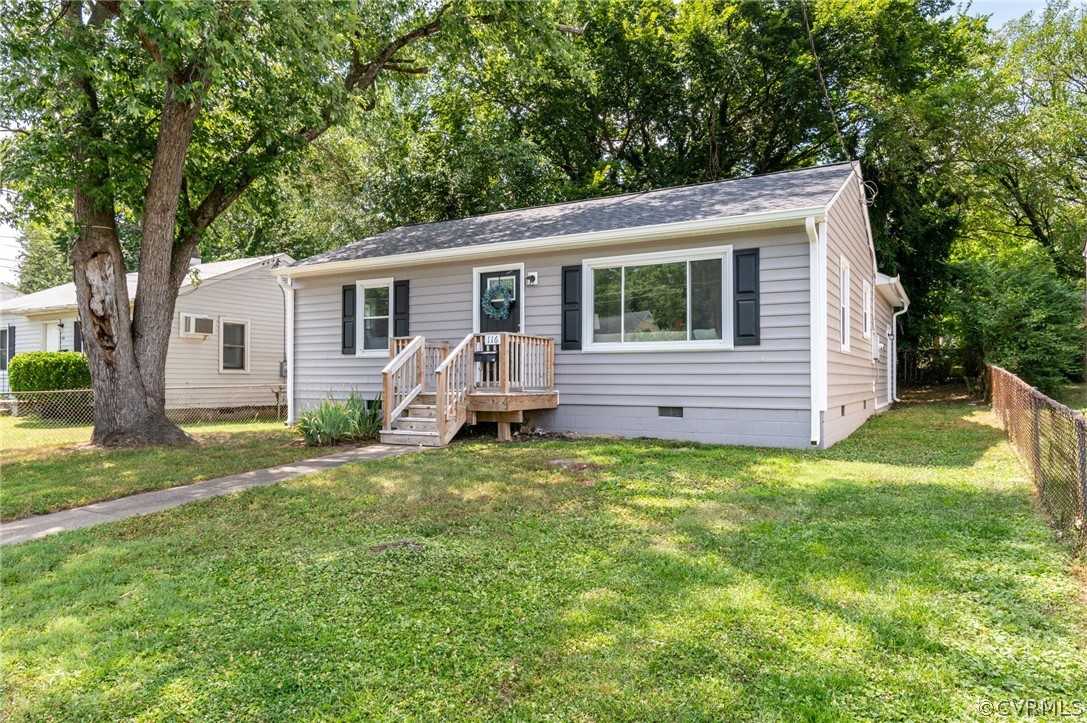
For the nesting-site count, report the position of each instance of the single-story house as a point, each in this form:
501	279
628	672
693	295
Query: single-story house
228	331
747	311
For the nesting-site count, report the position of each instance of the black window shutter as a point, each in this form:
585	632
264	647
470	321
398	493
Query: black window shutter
747	297
77	337
347	341
400	308
571	307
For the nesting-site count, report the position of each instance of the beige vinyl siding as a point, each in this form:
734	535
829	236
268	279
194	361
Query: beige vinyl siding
749	381
251	295
851	375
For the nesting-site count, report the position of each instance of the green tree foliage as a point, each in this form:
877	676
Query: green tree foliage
1015	311
1027	182
165	113
658	93
42	264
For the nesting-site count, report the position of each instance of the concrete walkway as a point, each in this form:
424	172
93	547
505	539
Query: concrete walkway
32	528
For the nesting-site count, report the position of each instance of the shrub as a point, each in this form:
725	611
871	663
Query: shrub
47	378
46	371
1015	311
337	422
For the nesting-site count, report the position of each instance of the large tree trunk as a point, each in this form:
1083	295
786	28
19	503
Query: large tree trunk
127	351
129	400
159	279
125	414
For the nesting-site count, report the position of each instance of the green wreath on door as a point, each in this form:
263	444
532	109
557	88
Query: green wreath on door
496	293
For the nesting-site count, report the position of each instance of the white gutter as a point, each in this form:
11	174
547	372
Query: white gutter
817	282
745	222
894	350
288	287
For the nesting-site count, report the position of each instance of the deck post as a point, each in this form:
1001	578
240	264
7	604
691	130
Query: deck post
504	434
504	367
387	401
441	403
420	367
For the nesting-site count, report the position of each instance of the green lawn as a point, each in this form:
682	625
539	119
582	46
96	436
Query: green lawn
1074	396
904	575
37	478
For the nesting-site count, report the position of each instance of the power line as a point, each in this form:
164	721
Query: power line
822	82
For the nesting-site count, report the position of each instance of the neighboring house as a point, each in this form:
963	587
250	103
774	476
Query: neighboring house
7	341
228	329
681	313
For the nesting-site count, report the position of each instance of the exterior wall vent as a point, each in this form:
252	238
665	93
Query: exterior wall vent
669	411
198	327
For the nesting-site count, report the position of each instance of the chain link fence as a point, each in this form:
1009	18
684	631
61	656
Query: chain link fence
1051	439
32	419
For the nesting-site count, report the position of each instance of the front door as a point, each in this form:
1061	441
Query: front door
511	279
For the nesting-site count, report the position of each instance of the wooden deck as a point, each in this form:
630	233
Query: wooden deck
431	392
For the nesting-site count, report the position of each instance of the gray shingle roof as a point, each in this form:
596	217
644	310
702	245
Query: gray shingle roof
804	188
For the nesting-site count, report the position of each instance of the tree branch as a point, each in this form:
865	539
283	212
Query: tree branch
114	7
360	76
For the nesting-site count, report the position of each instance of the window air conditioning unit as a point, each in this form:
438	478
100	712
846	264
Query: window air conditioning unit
196	327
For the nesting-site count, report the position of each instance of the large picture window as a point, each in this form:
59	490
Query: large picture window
375	312
660	301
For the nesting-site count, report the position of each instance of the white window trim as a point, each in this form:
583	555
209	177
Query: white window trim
696	254
360	319
477	293
866	312
845	316
222	338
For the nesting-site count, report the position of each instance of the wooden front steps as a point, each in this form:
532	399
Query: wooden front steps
486	378
418	428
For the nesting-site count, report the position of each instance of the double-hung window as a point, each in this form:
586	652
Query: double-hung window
671	300
234	345
4	349
375	310
843	300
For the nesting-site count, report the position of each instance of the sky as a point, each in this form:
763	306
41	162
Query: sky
1000	12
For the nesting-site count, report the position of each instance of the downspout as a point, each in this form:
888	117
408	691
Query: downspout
894	350
287	286
817	235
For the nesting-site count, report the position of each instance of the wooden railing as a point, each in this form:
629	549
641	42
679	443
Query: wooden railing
524	363
403	379
435	353
454	377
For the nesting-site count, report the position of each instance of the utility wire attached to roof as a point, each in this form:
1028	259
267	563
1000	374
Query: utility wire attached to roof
822	82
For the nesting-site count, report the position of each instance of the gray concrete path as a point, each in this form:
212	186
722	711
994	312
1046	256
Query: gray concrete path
31	528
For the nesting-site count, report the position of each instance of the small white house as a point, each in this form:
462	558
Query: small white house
747	311
228	331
